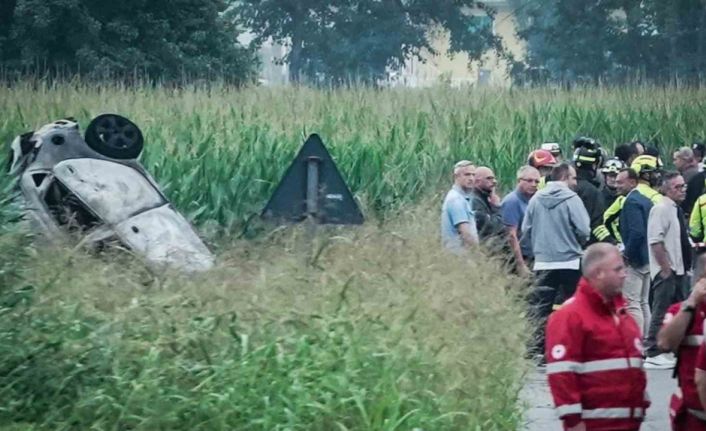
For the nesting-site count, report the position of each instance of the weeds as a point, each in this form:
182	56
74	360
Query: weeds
382	333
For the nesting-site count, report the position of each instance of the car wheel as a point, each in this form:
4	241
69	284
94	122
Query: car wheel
114	136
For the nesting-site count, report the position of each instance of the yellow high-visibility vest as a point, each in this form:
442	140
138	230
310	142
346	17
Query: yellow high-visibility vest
611	221
697	219
649	193
542	182
611	216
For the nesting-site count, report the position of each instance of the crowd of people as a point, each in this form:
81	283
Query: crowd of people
615	248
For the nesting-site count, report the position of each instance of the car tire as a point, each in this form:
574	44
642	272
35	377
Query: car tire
114	136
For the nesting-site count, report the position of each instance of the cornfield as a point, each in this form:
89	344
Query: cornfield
219	152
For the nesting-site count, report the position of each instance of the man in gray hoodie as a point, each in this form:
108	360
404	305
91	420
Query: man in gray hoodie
556	226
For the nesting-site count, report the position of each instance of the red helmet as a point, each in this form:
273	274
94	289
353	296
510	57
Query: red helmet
541	158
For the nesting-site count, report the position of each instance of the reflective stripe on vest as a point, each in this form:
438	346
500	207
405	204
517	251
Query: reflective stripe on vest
698	414
611	218
614	413
601	232
692	340
593	366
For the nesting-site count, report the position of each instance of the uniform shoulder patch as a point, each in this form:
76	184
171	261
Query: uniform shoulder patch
558	351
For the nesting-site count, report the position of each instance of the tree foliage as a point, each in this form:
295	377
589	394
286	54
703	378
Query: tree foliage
613	40
157	39
339	41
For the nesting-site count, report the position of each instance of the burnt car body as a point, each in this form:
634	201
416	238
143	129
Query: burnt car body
97	190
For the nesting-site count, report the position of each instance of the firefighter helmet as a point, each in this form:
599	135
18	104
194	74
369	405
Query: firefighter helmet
586	157
552	147
541	158
645	164
613	166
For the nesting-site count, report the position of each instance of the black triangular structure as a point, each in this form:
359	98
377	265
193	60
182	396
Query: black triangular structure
313	186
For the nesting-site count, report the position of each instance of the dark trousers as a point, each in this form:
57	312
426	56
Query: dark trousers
663	293
552	287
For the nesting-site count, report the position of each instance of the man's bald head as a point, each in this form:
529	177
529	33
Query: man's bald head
484	170
485	179
603	267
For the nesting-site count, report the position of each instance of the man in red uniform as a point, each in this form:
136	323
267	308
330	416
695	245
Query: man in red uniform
682	333
700	377
594	351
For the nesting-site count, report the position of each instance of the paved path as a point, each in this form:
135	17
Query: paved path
541	416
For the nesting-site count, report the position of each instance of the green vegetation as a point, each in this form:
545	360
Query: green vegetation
337	42
619	41
220	152
169	41
372	333
363	329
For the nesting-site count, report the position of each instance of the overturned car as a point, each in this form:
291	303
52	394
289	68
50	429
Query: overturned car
97	189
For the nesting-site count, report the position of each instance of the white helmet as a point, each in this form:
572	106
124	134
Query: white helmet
552	147
612	166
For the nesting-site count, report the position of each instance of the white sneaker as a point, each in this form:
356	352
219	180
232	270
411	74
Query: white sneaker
660	362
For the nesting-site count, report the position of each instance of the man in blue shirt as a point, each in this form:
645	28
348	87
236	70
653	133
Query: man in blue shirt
512	209
458	225
633	231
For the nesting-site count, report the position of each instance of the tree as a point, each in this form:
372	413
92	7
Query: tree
342	40
156	39
570	39
614	40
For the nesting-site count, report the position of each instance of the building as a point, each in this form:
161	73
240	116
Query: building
457	70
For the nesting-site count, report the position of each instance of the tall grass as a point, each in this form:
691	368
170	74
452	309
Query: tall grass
219	152
359	330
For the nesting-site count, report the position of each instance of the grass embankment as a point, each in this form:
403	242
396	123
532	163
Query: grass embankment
363	329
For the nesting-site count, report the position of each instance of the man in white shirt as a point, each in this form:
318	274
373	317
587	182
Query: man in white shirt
670	258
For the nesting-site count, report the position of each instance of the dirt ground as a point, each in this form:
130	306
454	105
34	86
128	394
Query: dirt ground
541	416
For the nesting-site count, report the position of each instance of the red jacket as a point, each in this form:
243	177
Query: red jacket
687	354
594	363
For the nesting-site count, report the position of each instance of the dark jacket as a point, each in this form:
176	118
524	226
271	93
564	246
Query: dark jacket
592	199
609	196
694	189
489	221
633	228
